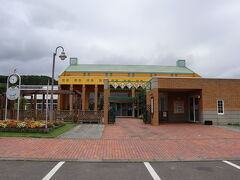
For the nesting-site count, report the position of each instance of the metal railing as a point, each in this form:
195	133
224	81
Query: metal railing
77	116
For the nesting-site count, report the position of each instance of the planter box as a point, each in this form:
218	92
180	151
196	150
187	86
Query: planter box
30	130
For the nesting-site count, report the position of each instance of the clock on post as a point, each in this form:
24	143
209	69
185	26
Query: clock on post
13	79
13	91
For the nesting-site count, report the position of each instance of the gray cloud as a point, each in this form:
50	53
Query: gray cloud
205	33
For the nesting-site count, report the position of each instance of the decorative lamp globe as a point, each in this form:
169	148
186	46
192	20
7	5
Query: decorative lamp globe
62	55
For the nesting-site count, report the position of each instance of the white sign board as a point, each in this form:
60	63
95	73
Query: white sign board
164	114
13	93
152	104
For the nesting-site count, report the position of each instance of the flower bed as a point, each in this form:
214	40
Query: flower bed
29	126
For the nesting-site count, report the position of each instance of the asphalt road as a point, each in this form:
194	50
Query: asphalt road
212	170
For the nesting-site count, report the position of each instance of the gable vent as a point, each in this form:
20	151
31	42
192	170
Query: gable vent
181	63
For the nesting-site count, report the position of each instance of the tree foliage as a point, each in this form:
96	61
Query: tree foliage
27	80
2	88
31	80
22	103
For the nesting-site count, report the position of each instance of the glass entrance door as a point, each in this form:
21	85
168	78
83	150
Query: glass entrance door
118	109
123	109
191	109
194	109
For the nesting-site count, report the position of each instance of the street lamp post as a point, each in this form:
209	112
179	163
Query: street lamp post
62	57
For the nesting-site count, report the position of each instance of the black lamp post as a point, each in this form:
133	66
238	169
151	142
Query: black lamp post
62	57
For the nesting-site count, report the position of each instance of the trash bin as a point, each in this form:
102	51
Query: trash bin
208	122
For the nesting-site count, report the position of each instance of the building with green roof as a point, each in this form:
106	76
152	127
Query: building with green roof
126	82
153	93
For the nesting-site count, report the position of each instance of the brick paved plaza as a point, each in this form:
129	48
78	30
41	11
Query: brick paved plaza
125	128
130	139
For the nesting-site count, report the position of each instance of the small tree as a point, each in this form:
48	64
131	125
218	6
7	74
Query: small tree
22	105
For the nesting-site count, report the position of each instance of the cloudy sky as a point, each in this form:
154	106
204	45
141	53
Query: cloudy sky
206	33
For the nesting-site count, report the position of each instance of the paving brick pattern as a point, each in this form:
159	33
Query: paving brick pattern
141	142
135	129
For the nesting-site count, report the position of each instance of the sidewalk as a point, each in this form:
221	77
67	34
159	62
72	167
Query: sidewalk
228	127
84	131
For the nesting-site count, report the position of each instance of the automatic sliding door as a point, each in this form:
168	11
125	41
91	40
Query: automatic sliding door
118	111
124	109
193	109
130	109
196	108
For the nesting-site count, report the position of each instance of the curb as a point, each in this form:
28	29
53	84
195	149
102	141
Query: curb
114	160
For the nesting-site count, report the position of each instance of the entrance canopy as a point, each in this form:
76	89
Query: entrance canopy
194	99
179	105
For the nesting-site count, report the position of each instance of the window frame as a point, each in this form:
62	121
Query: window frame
220	113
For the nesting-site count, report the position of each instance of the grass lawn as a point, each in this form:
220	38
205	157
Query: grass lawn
52	134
